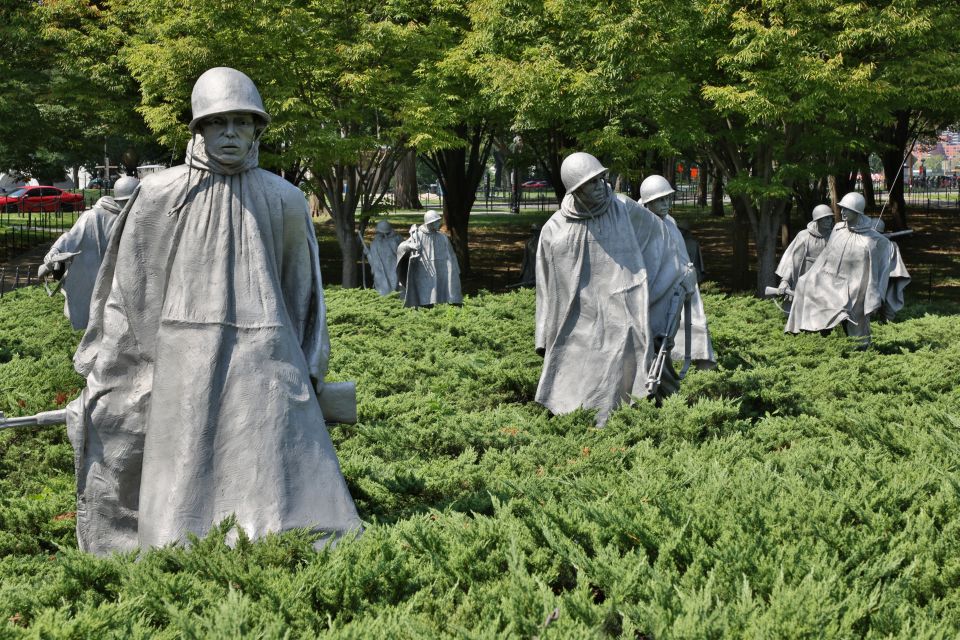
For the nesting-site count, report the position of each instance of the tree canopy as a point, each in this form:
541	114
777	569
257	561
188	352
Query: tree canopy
776	96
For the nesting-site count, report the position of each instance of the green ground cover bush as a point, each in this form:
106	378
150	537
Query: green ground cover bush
803	489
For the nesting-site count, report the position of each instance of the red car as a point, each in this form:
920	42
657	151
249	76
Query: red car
41	199
535	184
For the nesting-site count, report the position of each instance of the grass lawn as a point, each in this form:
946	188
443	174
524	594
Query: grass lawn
803	489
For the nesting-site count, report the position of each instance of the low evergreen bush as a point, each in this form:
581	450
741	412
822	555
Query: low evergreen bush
803	489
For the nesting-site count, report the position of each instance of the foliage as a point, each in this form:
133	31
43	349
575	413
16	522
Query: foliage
803	489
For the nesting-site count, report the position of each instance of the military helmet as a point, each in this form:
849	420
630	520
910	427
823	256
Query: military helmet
431	216
124	187
822	211
578	168
654	187
384	227
222	90
853	201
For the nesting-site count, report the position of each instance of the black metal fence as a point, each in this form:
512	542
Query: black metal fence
16	276
22	229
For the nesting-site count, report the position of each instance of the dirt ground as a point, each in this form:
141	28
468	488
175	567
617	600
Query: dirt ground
932	253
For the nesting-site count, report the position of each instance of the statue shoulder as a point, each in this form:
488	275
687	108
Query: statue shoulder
294	200
164	178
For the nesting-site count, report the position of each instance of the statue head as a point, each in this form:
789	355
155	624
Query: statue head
852	207
582	174
823	216
431	220
656	194
124	187
384	228
228	113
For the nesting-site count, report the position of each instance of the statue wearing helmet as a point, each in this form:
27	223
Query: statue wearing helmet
607	272
206	350
75	256
656	194
382	256
427	266
858	274
800	254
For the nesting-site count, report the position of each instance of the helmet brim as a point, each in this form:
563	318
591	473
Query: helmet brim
262	115
587	178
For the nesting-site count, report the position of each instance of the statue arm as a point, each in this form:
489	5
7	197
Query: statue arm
302	286
543	290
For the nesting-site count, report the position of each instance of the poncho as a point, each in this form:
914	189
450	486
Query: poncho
701	346
604	282
88	236
382	256
801	254
528	267
206	326
859	272
427	267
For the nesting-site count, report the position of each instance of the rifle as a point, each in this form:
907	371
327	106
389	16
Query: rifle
58	270
897	234
679	301
774	292
338	402
45	418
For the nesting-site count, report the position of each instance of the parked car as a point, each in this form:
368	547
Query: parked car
100	183
41	198
535	184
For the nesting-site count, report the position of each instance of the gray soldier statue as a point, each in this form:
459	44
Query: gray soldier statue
76	255
609	277
657	195
859	273
382	256
206	350
800	255
427	266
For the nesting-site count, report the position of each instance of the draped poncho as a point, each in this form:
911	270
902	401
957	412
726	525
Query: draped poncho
800	255
383	261
604	281
427	268
858	273
701	346
88	236
207	323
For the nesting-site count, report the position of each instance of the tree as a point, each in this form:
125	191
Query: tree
335	105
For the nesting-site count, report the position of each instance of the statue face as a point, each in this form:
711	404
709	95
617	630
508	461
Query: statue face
849	216
229	136
592	191
660	206
825	226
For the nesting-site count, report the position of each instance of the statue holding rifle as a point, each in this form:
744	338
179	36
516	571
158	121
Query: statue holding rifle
611	283
427	266
859	274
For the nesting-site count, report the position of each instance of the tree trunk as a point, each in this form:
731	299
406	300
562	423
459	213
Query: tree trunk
336	187
897	138
868	193
702	176
459	172
741	244
716	196
498	169
768	229
834	196
405	189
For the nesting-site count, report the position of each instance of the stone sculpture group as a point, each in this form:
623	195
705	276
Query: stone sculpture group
206	345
